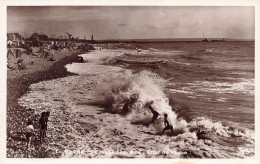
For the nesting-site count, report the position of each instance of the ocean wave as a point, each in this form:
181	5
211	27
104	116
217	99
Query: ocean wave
181	91
174	61
244	86
136	90
198	136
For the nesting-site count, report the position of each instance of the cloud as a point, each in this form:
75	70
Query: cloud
132	22
122	25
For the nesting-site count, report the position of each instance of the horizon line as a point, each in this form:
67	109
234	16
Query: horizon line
185	38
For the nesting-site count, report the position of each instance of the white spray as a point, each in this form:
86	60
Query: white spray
130	93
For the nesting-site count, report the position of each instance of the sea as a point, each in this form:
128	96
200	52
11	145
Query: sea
204	79
210	85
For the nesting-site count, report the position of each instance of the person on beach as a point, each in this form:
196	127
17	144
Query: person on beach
46	119
43	126
47	116
155	113
167	124
28	133
125	108
20	64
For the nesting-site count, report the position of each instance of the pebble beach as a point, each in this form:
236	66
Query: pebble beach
18	82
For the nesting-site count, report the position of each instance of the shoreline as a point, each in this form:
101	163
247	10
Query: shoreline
17	115
81	126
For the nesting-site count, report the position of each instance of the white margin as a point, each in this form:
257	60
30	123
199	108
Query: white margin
3	74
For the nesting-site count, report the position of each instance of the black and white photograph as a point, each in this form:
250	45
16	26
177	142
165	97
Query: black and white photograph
161	82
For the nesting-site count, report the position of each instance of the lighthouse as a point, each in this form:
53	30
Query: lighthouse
92	39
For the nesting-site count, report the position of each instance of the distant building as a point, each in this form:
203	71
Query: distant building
36	36
15	39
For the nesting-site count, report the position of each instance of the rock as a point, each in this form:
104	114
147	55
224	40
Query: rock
208	142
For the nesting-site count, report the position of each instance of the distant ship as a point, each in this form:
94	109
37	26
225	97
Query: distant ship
204	39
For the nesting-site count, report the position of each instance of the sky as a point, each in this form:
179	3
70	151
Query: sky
127	22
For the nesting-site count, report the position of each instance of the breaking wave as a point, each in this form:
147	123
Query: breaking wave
129	94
